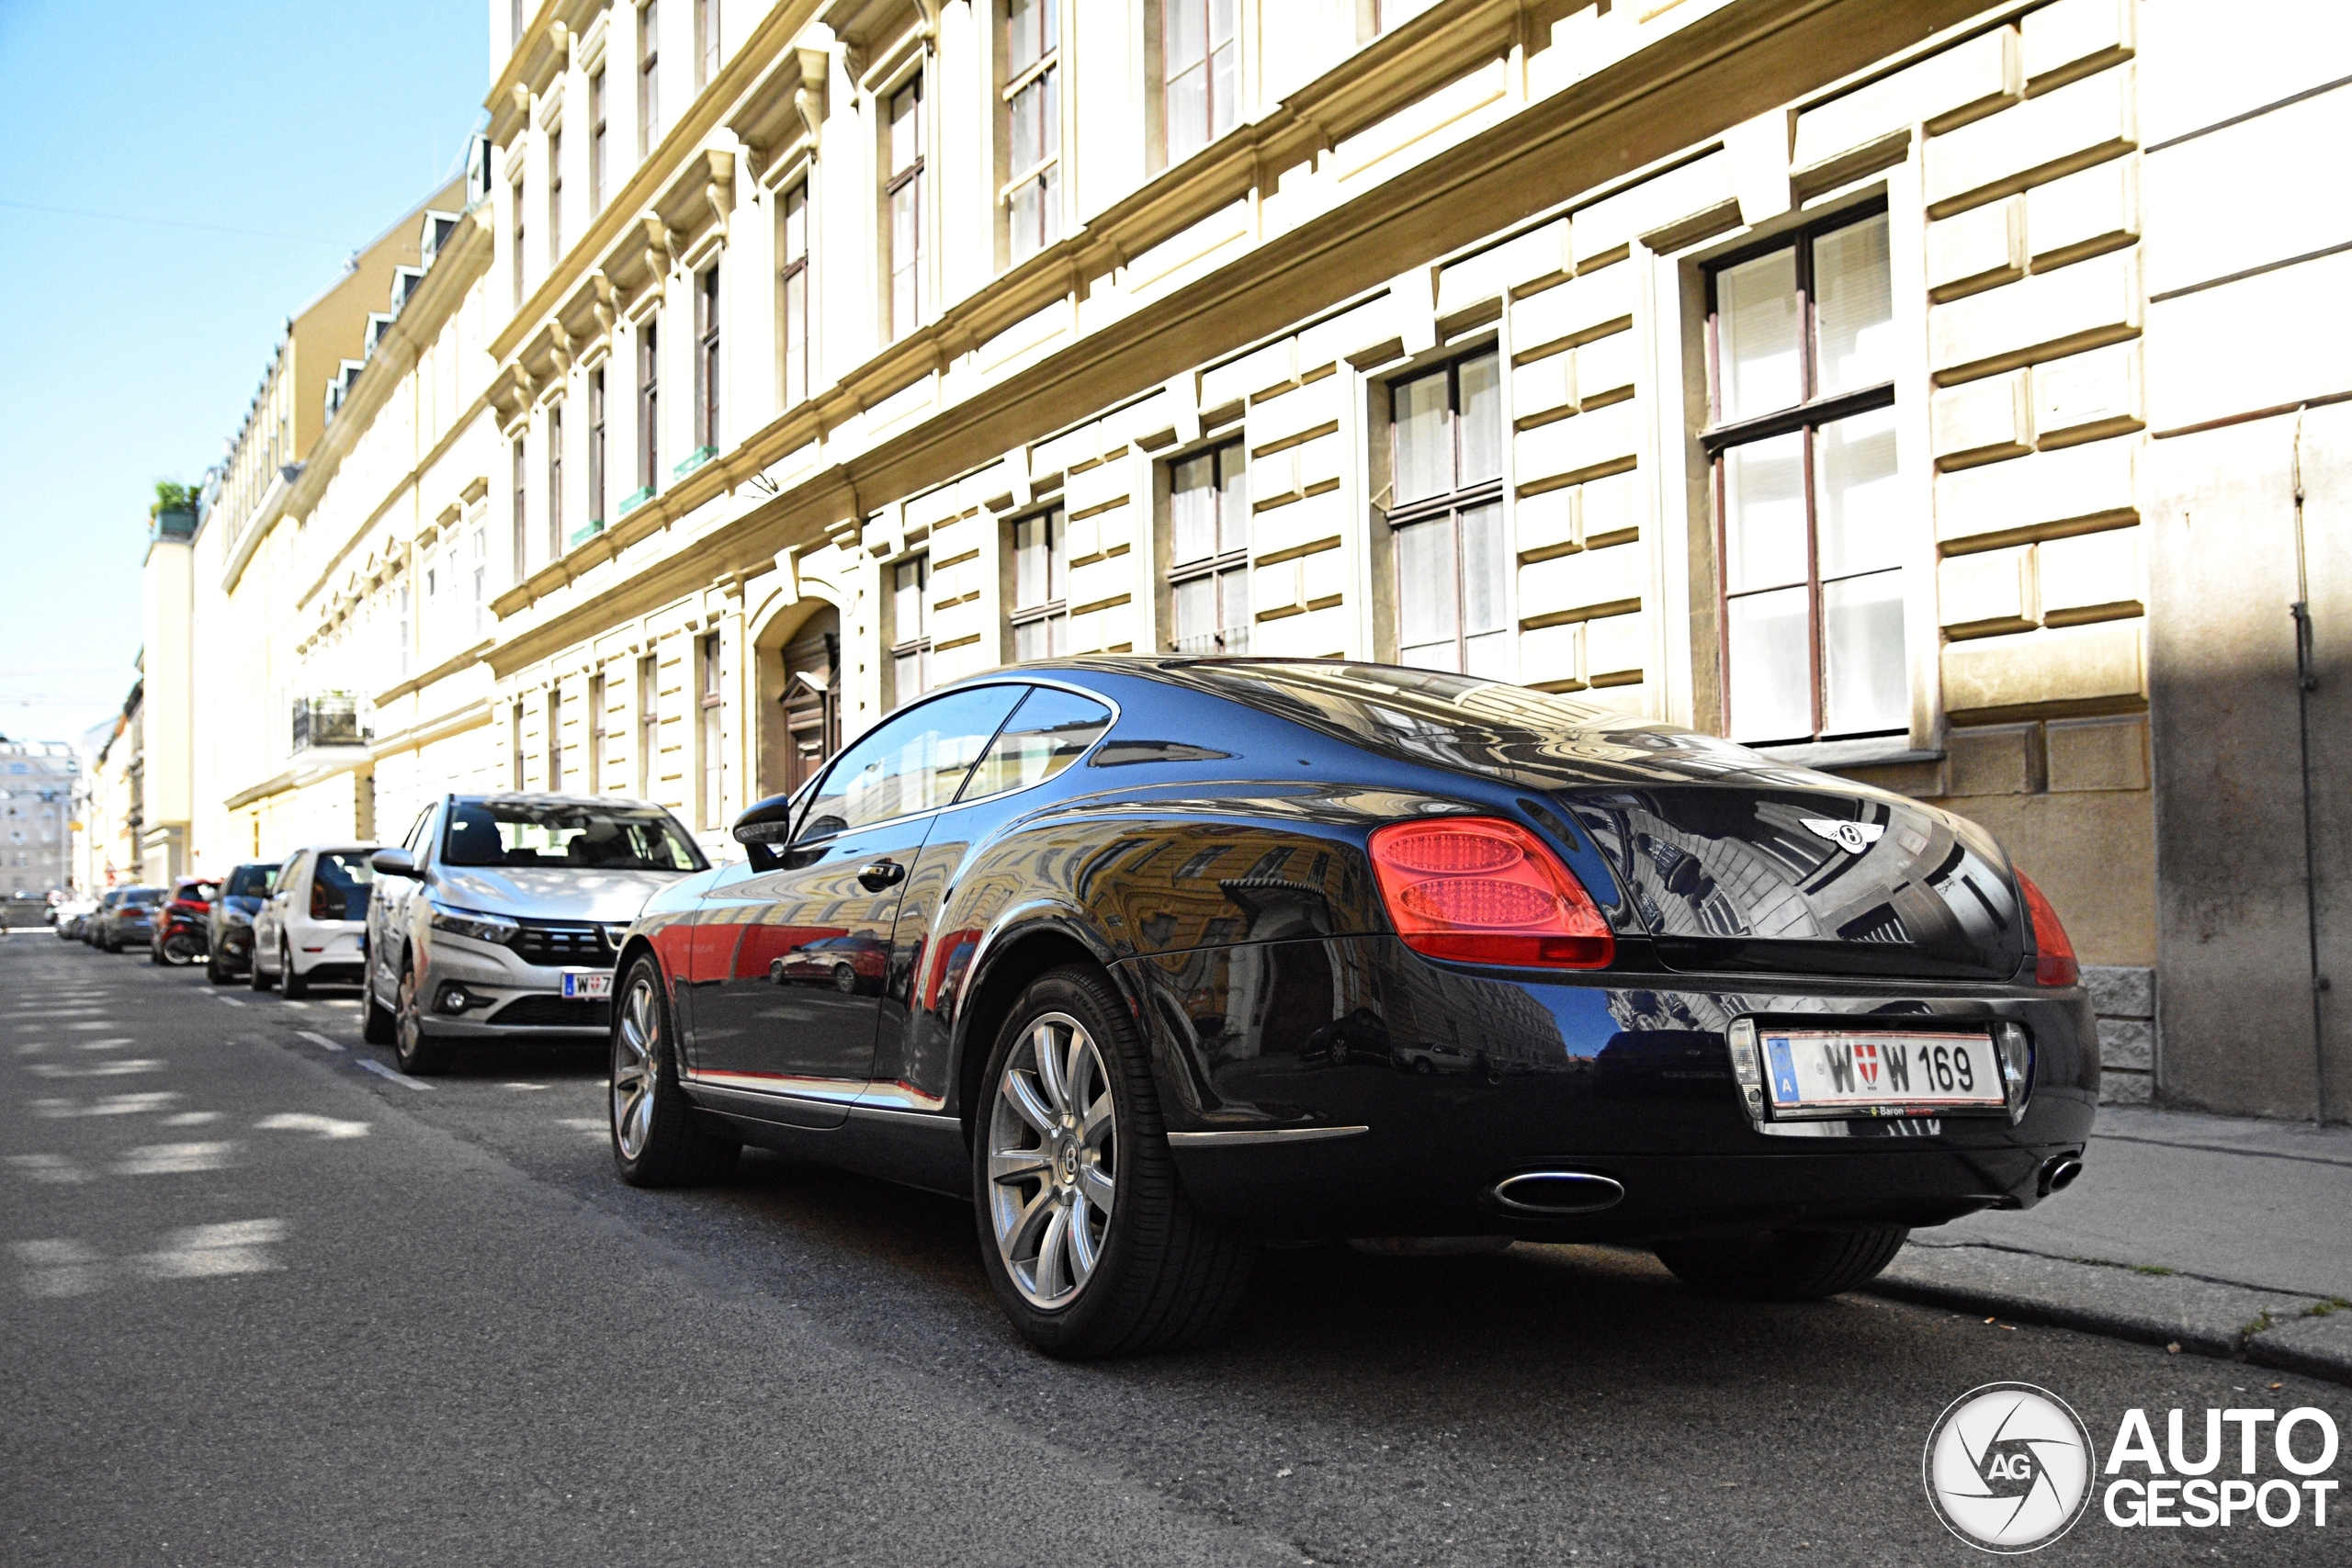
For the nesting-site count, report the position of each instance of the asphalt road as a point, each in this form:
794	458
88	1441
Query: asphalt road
267	1302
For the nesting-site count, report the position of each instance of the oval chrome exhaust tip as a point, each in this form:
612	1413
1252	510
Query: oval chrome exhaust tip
2058	1173
1557	1192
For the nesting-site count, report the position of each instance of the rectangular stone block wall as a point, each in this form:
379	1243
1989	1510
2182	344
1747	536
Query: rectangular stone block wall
2124	996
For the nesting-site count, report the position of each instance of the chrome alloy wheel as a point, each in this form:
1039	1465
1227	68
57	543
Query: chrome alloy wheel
1053	1165
636	1064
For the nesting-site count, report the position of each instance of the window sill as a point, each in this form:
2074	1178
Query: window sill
1878	751
693	460
634	500
582	534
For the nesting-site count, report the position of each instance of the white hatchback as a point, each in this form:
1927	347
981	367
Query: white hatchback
314	927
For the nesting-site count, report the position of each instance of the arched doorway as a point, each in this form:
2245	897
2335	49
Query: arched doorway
800	722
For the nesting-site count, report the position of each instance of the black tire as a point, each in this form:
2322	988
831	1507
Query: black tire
1165	1278
155	954
214	972
378	1029
253	975
416	1053
645	1105
1783	1265
288	981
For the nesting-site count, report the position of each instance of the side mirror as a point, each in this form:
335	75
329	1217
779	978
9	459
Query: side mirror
768	823
396	862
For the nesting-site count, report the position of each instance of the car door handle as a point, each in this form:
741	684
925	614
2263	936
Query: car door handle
880	874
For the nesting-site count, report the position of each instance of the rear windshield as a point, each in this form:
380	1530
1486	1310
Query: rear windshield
145	897
339	886
250	881
531	833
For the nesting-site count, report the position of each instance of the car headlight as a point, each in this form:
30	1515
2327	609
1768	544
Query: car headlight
236	917
495	928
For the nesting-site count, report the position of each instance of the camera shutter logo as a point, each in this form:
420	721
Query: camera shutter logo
2008	1467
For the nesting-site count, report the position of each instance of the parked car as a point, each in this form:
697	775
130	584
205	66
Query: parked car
499	916
126	918
180	933
312	929
1762	1020
70	913
229	934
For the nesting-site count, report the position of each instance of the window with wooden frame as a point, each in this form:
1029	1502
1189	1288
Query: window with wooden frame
910	629
648	725
1445	518
1040	616
521	202
792	284
596	734
1811	528
522	512
555	739
596	447
597	143
903	199
1201	72
706	42
554	478
555	198
712	714
1031	193
1208	551
649	78
649	406
706	377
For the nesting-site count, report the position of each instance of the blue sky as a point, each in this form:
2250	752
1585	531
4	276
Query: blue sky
292	134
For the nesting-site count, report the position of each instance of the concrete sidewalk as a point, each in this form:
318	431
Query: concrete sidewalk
2216	1234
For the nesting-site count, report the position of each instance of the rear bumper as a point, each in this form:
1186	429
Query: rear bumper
1460	1079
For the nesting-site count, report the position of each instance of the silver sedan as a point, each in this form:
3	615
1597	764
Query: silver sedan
500	915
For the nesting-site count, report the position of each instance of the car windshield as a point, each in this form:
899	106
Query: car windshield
546	833
339	886
250	881
146	896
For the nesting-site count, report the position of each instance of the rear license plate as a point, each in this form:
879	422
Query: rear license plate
578	985
1851	1072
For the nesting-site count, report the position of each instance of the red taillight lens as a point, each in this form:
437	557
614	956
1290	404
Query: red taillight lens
2054	963
1481	890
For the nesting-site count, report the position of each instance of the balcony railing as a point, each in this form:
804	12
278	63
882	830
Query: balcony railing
1231	639
328	721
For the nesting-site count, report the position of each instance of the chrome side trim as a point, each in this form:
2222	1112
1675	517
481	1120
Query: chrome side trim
1248	1136
887	1117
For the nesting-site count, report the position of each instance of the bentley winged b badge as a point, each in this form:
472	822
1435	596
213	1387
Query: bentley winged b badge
1852	837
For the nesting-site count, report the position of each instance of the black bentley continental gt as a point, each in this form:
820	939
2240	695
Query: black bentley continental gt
1156	959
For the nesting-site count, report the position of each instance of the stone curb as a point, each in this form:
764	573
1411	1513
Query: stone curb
2293	1333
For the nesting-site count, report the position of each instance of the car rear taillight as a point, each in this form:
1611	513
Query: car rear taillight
1482	890
2054	963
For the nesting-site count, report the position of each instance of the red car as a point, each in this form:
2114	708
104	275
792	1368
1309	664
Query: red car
853	963
180	932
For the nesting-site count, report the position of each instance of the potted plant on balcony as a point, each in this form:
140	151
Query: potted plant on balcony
173	514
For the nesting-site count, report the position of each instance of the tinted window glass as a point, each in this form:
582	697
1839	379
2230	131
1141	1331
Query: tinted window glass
1379	701
339	886
146	897
532	833
250	881
915	761
1050	730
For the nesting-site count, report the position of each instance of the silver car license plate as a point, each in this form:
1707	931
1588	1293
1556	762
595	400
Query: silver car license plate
1841	1072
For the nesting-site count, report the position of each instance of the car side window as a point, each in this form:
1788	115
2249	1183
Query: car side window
286	873
1051	730
416	834
913	761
